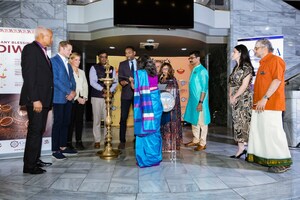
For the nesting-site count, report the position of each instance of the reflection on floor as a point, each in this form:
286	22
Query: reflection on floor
208	174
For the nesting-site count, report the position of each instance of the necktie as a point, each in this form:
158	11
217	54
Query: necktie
132	68
45	52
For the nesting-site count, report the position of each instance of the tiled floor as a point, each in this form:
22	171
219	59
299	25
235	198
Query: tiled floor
209	174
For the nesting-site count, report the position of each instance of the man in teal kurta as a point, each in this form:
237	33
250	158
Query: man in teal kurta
197	110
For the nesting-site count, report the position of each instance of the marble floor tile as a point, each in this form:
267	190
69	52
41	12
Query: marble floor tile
94	185
151	173
288	189
260	179
73	175
70	195
208	175
67	184
153	186
210	183
20	179
99	175
235	182
17	191
202	195
182	185
124	171
45	180
123	185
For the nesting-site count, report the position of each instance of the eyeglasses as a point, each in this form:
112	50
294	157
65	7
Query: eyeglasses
256	48
192	57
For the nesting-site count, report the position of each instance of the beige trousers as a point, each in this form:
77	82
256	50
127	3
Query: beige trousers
99	111
200	131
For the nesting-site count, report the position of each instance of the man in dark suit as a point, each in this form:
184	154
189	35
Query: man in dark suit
64	93
36	95
126	69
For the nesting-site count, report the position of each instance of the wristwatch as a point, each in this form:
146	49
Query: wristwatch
200	101
266	97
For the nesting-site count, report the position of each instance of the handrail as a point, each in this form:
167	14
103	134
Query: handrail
288	80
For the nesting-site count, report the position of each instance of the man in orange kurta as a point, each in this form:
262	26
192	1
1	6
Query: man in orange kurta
267	140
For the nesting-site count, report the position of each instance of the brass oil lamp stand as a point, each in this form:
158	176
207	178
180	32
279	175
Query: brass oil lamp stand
108	153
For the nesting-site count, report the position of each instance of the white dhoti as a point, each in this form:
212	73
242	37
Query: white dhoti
267	140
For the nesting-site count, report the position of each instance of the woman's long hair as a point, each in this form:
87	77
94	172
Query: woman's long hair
145	62
171	70
245	58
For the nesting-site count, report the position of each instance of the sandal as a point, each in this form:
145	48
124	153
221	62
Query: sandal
277	169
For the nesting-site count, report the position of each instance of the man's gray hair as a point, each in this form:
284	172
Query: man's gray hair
40	29
265	42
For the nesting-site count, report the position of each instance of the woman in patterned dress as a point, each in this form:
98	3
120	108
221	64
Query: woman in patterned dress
171	129
240	97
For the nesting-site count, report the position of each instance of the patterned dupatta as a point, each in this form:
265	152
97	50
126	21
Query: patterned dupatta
143	110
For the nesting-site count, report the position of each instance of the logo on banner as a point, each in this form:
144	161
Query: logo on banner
113	108
180	70
182	82
14	144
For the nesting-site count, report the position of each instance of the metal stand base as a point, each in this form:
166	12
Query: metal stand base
109	153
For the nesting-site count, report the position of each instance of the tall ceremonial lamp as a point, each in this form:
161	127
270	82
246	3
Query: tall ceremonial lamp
108	152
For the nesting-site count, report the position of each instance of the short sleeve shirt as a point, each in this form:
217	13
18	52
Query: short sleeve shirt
271	67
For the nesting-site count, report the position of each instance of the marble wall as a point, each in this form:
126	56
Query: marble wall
250	18
32	13
291	118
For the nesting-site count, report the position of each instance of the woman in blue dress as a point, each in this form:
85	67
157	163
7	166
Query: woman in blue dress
147	113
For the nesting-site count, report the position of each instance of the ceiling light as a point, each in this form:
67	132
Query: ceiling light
183	49
112	47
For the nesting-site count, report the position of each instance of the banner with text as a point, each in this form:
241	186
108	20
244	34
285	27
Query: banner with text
277	43
13	120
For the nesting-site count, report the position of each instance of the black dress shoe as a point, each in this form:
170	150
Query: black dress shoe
238	156
79	146
43	164
35	170
70	146
121	145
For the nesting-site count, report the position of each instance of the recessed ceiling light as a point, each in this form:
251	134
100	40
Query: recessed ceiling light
183	49
112	47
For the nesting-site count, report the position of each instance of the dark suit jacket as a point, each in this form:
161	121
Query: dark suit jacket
37	76
124	73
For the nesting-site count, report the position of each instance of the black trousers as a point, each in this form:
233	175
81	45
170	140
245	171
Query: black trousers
76	122
125	106
36	128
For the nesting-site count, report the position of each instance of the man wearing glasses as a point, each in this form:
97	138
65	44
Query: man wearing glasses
197	110
267	140
98	92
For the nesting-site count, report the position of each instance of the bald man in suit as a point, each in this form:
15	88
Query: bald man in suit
126	69
36	95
